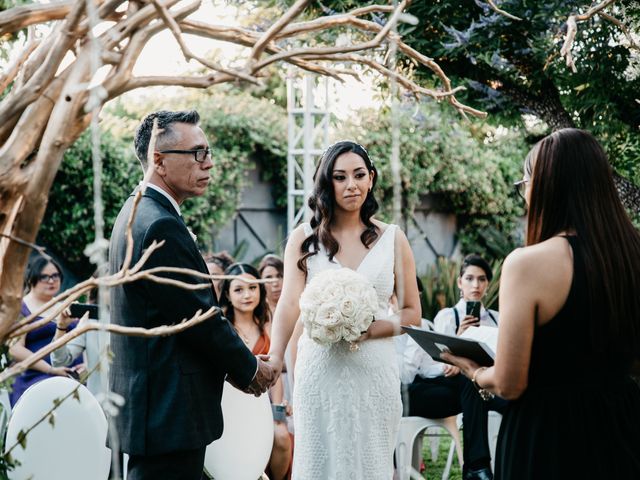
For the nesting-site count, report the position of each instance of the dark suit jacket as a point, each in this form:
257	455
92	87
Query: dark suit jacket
172	385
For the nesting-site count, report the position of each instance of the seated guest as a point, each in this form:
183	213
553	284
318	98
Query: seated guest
475	276
85	346
435	390
438	390
42	283
217	263
245	305
271	267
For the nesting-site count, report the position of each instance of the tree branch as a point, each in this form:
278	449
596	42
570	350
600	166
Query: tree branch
572	29
495	8
271	33
162	330
174	28
20	17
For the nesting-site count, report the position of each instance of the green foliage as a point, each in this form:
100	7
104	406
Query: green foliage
469	172
441	286
242	130
68	224
514	67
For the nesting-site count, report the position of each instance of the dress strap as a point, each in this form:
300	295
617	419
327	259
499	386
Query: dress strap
307	228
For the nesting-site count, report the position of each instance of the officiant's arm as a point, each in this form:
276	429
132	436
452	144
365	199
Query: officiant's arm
406	290
534	285
288	308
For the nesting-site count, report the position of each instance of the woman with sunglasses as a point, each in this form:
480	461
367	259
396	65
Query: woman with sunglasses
43	281
569	327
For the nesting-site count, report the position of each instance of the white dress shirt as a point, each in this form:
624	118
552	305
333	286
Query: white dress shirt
415	361
445	321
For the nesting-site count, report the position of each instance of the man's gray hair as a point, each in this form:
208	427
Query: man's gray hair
165	119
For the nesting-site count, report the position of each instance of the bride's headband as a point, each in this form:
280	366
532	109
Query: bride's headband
350	141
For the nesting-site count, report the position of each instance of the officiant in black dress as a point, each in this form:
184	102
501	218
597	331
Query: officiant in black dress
569	325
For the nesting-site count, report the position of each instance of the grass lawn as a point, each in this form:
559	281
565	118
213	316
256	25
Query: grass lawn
434	470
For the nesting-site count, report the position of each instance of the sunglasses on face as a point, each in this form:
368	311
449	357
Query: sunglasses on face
521	187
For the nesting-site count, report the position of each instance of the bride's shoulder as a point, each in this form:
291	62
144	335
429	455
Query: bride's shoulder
380	226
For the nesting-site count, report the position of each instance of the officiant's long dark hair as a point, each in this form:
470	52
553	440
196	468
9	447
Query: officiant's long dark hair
572	189
322	203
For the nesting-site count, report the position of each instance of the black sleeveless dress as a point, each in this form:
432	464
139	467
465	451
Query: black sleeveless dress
580	415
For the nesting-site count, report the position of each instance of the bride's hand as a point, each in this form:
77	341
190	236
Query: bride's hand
365	335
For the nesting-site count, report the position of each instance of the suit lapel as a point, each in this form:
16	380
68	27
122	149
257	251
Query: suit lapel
164	201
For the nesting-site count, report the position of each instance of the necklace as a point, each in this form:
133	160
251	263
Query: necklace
242	334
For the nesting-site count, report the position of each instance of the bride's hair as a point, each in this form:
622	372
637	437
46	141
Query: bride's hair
322	203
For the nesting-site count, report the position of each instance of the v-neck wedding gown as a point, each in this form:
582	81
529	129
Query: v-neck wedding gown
347	404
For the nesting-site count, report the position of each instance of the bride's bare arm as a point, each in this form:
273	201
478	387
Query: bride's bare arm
288	309
406	289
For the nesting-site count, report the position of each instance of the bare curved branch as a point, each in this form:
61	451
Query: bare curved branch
495	8
20	17
162	330
572	29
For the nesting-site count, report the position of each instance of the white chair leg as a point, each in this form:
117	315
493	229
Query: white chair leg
447	468
434	444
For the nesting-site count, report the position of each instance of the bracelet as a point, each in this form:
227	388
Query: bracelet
485	395
62	329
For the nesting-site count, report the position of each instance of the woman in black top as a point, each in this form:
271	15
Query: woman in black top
570	325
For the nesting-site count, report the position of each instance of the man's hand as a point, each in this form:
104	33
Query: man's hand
265	377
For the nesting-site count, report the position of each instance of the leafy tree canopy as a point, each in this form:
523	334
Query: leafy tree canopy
511	68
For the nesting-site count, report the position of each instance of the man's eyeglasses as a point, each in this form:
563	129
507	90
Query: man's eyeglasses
520	188
199	154
54	277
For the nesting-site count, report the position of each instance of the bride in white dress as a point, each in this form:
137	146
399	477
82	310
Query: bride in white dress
346	403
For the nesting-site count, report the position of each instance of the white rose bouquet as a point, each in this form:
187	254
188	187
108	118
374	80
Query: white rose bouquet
338	305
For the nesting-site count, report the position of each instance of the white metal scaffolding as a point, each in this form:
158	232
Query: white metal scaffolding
308	136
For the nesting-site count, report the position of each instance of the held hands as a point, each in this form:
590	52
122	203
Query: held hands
468	321
266	376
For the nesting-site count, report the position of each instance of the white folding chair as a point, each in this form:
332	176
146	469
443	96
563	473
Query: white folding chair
410	429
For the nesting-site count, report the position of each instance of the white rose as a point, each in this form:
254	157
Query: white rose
348	307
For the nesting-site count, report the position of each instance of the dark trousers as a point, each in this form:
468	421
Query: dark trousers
442	397
183	465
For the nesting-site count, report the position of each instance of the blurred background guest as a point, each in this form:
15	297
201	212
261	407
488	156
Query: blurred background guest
85	346
475	276
245	305
436	390
217	263
42	283
272	268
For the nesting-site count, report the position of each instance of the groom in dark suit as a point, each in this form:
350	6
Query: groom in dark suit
172	385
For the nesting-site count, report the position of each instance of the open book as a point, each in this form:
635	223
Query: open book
479	351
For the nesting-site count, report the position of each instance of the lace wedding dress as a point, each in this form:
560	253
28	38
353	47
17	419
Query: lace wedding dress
346	404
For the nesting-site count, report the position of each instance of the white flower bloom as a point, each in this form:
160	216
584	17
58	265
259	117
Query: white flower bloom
337	305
